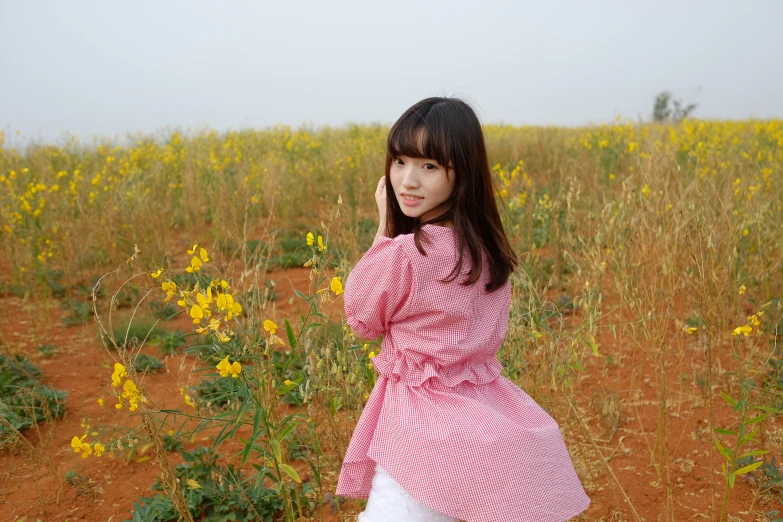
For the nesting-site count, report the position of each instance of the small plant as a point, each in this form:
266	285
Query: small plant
147	363
47	350
24	401
215	492
78	481
171	442
78	312
135	334
170	341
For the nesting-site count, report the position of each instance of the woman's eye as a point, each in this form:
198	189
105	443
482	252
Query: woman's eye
429	166
398	161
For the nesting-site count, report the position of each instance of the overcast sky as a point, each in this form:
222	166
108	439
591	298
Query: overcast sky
111	67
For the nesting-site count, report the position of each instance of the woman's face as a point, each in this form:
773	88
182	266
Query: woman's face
420	185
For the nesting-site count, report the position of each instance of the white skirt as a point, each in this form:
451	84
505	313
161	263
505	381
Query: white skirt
389	502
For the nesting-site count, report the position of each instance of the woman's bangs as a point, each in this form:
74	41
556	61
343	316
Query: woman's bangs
412	137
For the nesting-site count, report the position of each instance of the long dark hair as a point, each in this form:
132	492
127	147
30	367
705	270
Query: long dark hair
448	131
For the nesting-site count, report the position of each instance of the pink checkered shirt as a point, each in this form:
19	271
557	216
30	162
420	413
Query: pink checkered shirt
441	419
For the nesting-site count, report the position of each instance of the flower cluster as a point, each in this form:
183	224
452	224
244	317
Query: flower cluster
79	446
271	327
747	328
129	389
214	304
225	368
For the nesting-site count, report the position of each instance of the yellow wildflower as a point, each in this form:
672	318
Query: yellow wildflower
336	286
195	265
287	382
119	373
189	401
169	287
310	239
197	314
100	402
321	245
203	253
741	289
193	483
78	445
690	330
157	273
193	250
754	319
223	338
225	368
270	327
371	355
98	449
742	330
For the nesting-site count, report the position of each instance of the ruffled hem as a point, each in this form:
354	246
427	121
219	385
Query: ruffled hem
402	366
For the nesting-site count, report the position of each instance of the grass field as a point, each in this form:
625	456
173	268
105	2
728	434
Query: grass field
646	317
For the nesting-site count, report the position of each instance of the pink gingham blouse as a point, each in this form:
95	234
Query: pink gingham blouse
441	419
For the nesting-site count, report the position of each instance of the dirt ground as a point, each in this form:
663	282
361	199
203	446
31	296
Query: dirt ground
33	486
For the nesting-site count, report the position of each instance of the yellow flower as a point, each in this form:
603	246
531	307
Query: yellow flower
371	355
193	250
225	368
203	253
98	448
646	191
537	334
131	392
168	287
223	338
270	327
287	382
189	401
195	265
690	330
754	319
156	274
197	314
742	330
119	373
336	286
100	402
78	445
193	483
745	232
310	239
741	289
321	245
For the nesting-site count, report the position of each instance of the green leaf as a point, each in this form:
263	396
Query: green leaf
723	451
303	296
732	476
290	332
769	409
729	400
753	453
757	419
276	450
748	437
291	472
593	345
724	431
749	467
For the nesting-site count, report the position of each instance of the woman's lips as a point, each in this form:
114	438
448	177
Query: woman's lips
411	201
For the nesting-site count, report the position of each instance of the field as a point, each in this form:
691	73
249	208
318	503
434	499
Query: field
172	316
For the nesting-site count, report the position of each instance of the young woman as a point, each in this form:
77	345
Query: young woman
444	436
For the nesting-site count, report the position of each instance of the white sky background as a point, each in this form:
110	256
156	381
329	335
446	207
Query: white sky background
108	68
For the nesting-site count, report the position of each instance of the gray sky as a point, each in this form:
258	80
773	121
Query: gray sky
114	67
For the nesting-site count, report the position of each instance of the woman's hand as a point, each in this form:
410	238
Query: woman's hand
380	199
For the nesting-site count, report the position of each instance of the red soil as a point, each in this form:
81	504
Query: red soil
33	484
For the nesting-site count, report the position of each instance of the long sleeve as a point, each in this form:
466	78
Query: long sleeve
380	288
